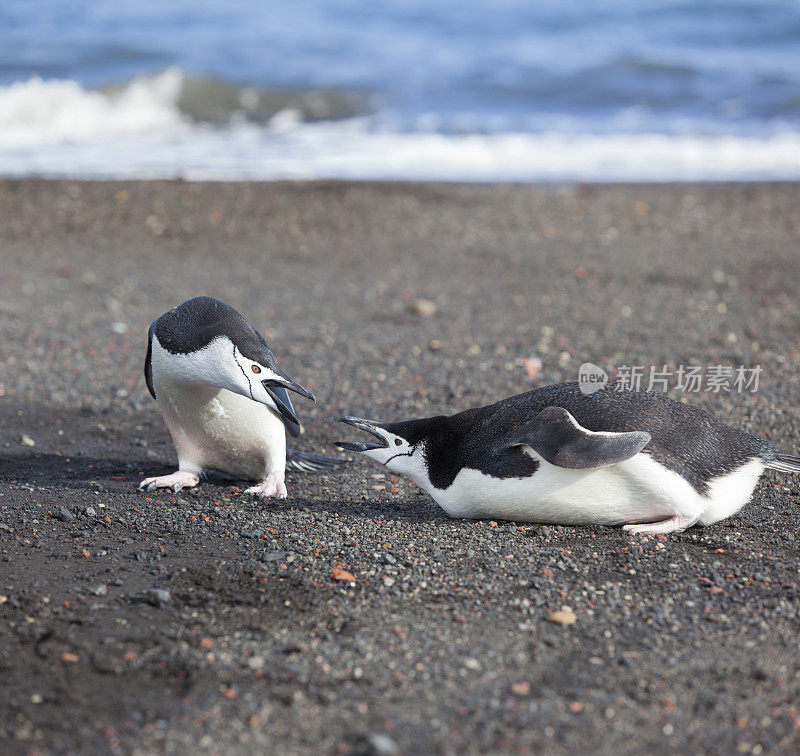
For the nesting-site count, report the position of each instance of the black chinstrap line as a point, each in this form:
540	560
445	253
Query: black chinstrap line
244	373
401	454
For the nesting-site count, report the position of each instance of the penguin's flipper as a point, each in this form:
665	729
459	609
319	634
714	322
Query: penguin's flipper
306	462
295	429
556	436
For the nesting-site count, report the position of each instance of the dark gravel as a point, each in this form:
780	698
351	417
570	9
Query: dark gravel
205	622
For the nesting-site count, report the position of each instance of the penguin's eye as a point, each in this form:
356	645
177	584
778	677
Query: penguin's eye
255	368
398	442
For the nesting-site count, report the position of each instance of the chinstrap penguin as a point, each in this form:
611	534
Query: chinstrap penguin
224	399
556	455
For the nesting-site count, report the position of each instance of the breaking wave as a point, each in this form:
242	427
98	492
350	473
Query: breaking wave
175	125
164	106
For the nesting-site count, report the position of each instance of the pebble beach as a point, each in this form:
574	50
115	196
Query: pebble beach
206	622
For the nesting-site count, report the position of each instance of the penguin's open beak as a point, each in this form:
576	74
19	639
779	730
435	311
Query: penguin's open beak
365	425
277	391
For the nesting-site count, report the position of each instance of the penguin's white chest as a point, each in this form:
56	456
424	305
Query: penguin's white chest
634	491
217	429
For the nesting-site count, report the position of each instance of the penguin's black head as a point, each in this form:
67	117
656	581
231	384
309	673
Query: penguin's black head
208	342
398	445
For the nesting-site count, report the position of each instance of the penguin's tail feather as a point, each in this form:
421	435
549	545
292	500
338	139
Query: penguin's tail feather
784	462
307	462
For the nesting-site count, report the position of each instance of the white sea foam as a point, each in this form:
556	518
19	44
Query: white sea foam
37	112
59	129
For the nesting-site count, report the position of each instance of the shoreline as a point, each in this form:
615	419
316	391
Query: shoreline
319	182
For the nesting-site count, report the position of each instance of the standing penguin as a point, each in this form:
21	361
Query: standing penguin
223	399
557	455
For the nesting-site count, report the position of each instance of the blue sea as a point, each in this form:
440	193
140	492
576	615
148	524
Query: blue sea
475	90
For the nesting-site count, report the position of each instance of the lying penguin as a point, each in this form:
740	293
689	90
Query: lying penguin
556	455
224	399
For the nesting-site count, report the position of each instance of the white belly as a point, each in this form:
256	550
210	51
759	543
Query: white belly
637	490
217	429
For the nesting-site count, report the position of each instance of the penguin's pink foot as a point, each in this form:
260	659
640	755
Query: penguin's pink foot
176	481
272	487
672	525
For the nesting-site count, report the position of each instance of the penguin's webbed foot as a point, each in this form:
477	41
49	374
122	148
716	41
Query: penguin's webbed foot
672	525
175	481
272	487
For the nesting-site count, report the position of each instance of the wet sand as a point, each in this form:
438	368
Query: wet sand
682	643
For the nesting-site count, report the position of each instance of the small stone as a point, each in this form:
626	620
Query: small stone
26	440
295	647
158	596
425	308
341	575
381	745
564	617
471	663
90	512
273	556
435	345
99	590
37	698
533	366
256	662
65	515
522	688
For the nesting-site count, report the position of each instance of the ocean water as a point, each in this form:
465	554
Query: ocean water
477	90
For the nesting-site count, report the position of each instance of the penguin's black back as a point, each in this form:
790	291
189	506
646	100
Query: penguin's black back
685	439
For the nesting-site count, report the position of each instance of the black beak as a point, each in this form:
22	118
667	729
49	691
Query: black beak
277	390
365	425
